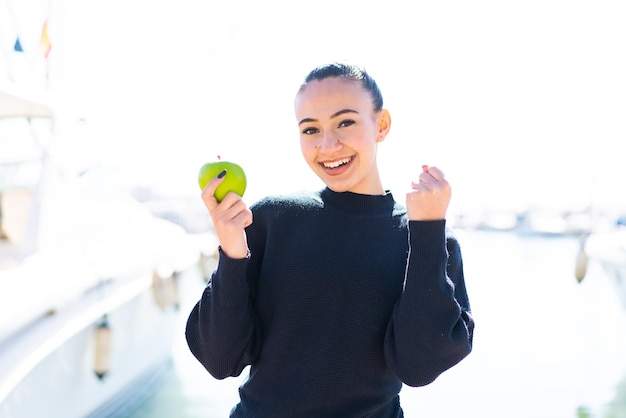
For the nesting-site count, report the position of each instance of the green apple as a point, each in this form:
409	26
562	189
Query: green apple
234	181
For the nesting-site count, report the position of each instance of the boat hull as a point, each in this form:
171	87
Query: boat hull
52	367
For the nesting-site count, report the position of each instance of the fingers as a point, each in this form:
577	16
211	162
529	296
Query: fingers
429	178
208	193
430	195
230	218
230	213
433	172
233	212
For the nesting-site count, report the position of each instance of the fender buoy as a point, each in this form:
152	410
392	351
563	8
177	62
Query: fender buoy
582	260
102	352
165	290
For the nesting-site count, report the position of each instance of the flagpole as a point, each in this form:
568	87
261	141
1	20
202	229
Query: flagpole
17	45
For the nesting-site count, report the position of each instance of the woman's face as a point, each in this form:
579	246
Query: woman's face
339	133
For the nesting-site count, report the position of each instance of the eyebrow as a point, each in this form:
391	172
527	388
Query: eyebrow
334	115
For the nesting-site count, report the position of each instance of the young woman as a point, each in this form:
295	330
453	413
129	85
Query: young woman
338	297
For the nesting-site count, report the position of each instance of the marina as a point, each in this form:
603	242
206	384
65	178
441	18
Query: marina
87	277
122	101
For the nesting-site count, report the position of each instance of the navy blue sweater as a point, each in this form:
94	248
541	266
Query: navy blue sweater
340	301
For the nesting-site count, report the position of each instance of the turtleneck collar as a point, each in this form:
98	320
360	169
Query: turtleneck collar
359	204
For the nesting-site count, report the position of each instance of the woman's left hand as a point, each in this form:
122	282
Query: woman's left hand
429	198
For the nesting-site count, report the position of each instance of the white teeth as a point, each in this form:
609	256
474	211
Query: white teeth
337	163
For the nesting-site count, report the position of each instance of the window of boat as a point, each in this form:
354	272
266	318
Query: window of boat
22	147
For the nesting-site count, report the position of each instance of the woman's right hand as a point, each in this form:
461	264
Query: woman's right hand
230	218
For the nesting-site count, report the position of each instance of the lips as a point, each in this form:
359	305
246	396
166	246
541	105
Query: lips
336	167
337	163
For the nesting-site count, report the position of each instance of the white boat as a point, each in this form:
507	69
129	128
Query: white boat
88	303
609	249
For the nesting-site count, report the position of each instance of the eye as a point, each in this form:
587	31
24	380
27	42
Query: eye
346	122
310	131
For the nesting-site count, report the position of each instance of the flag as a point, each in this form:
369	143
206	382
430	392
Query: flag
44	41
17	47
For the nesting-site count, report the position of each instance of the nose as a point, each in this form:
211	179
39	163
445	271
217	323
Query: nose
329	143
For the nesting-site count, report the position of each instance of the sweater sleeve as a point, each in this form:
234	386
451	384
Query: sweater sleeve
431	328
221	329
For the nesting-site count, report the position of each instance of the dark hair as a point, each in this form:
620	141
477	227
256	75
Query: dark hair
349	72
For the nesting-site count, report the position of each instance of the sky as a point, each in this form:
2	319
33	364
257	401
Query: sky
520	103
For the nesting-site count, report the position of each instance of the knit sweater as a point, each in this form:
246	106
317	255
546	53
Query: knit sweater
340	301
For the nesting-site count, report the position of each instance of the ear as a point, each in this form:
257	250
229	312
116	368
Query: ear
384	124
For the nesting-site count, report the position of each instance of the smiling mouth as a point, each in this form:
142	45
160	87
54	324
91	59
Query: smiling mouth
336	164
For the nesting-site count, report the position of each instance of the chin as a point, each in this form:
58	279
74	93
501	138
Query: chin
338	188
